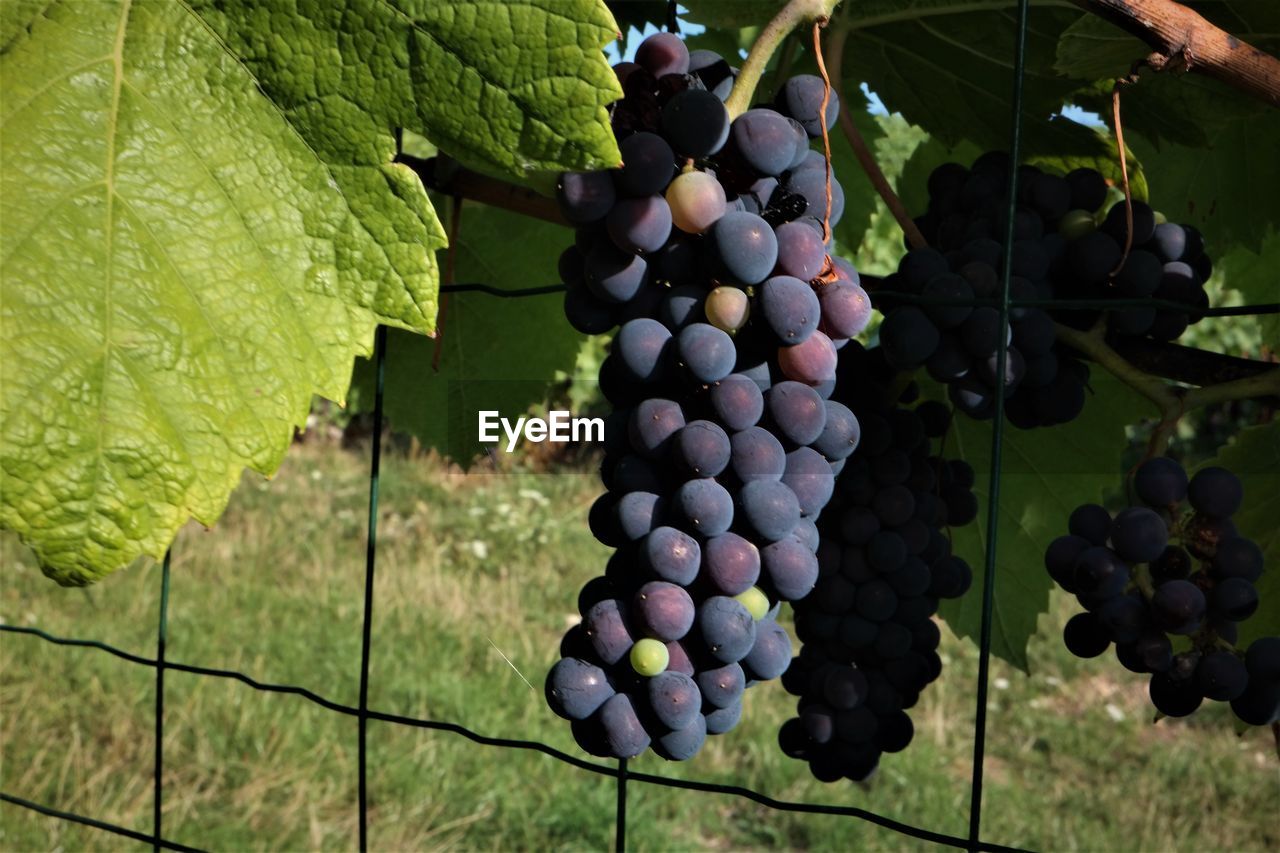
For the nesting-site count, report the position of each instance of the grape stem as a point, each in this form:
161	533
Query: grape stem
1172	401
835	61
788	18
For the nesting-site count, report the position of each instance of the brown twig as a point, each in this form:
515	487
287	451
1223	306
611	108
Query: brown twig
1124	174
1184	40
822	112
835	60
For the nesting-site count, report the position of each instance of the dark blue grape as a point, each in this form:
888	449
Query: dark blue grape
663	611
1178	606
642	345
731	563
1091	522
1215	492
648	164
638	513
614	275
1238	558
706	506
738	402
745	245
675	699
908	337
756	454
801	99
1173	697
1221	676
1139	535
723	720
707	352
790	308
1160	482
623	732
809	476
702	448
652	426
1233	599
1085	636
576	688
607	629
639	224
585	197
663	53
801	253
727	628
671	555
765	140
682	744
797	411
696	123
769	508
790	568
770	653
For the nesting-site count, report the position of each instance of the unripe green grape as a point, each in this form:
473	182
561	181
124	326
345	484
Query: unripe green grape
696	200
728	308
756	602
1076	223
649	657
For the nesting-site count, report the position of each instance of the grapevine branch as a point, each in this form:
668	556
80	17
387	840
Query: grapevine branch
1172	401
1183	40
788	18
835	59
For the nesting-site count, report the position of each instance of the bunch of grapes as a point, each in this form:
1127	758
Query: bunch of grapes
707	249
958	344
1167	261
1168	587
870	646
1067	245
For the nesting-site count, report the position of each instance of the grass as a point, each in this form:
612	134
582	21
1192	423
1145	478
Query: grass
478	570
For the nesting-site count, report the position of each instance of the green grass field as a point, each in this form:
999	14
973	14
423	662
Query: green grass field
477	569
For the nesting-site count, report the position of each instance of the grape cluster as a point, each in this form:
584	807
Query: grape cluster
1157	571
869	644
958	344
1167	261
706	249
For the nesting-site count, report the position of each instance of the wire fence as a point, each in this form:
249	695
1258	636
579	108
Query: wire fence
619	771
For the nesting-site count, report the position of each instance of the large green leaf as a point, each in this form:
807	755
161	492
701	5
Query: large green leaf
948	67
203	224
495	353
1046	473
511	88
1254	455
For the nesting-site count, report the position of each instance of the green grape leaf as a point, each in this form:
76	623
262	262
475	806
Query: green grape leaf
179	275
1254	456
494	353
1046	473
208	223
512	88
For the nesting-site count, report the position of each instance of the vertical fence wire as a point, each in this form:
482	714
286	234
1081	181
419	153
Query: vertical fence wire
371	554
162	630
997	441
620	817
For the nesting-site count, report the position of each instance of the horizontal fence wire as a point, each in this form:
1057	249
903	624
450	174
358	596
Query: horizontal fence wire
114	829
878	294
535	746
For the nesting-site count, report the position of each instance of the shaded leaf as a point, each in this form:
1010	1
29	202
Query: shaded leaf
1046	473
